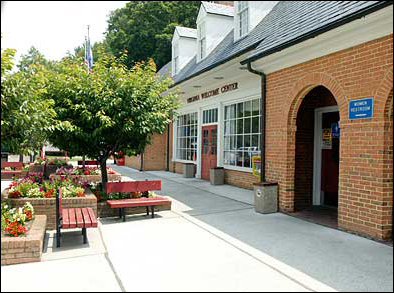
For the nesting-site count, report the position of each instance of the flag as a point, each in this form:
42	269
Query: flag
88	55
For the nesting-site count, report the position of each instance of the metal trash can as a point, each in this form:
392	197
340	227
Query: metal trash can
266	197
189	170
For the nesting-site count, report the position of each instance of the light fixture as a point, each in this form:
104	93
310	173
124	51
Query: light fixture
243	68
196	86
218	77
181	93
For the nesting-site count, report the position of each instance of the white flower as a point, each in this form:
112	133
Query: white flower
6	206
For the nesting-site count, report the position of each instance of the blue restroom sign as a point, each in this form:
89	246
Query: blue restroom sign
361	109
335	130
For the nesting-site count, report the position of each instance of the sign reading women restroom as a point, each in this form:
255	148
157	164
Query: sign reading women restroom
215	92
361	109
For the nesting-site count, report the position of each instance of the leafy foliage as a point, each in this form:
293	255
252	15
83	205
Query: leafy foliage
112	108
25	115
145	29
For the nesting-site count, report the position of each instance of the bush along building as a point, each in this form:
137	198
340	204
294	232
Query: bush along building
305	85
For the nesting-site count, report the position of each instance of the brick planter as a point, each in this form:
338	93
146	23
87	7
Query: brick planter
36	168
104	211
47	206
51	169
9	176
28	248
90	178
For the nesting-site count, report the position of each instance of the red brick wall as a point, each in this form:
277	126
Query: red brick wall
239	179
353	73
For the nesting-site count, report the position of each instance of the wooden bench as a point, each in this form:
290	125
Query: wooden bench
17	165
135	186
73	218
89	162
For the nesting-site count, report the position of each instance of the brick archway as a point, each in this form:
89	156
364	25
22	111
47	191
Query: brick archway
300	90
384	94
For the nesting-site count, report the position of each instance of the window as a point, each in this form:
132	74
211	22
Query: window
210	116
202	42
175	55
187	137
242	133
243	17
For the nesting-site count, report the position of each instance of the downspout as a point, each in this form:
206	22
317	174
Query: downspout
168	149
262	118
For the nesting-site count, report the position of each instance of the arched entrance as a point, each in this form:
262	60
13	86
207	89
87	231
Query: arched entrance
317	142
388	189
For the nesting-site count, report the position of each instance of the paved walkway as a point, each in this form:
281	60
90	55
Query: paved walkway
212	240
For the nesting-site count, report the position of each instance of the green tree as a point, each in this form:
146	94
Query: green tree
145	29
111	109
25	114
33	57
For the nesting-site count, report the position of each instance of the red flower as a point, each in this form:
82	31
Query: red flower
14	229
86	172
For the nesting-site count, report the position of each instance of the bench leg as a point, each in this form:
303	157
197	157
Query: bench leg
85	238
124	214
58	237
147	211
120	213
153	211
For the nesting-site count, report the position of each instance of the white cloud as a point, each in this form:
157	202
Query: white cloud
53	27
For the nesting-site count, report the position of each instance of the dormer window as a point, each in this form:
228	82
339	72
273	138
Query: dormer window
175	55
202	40
243	17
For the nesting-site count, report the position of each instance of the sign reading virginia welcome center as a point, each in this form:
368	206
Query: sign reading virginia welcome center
215	92
361	109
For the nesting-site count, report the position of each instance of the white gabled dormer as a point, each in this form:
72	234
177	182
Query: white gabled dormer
184	43
214	22
248	14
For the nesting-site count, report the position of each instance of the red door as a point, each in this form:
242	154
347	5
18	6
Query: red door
208	150
330	163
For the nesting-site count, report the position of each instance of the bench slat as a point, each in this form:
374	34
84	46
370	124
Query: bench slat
66	220
86	218
71	215
17	165
78	213
137	202
133	186
93	217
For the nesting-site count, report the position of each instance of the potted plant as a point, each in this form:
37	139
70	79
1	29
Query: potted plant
120	159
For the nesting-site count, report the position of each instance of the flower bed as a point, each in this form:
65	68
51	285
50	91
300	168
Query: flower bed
85	175
27	248
41	195
15	221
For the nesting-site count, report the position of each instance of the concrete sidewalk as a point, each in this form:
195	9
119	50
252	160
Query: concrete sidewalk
311	254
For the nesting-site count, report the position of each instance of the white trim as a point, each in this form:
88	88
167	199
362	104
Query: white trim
199	129
220	142
317	195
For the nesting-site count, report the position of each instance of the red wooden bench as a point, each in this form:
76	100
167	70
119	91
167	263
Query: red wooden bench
135	186
17	165
73	218
89	162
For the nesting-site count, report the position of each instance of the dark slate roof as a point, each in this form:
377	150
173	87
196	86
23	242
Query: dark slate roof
288	20
186	32
218	8
165	71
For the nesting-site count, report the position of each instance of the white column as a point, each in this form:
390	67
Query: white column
220	135
174	138
199	123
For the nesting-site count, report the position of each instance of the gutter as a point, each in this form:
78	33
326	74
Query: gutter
168	149
262	119
314	33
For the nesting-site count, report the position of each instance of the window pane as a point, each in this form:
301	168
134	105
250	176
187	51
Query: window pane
247	109
247	141
240	126
240	143
232	111
227	128
240	109
255	141
247	125
227	143
255	124
247	160
239	159
255	107
232	126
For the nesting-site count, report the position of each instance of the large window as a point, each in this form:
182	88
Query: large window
242	133
202	42
243	17
187	137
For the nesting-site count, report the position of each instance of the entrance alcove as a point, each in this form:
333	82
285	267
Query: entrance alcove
316	173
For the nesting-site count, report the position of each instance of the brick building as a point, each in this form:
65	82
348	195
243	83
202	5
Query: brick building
317	76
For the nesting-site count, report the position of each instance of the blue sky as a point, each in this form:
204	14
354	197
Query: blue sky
53	27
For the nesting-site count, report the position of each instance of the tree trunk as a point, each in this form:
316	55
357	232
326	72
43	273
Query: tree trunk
104	175
83	161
